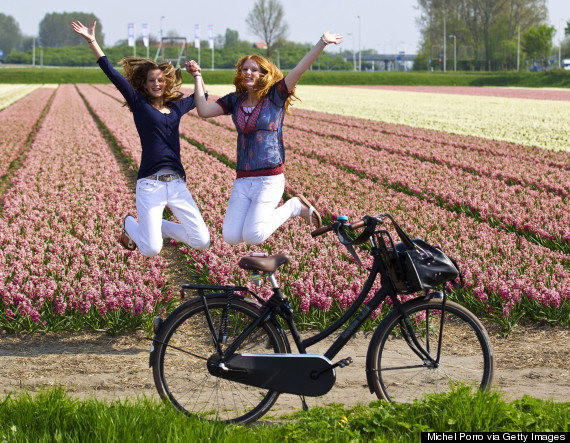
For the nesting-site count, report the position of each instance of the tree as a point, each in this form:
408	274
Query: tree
267	22
56	31
525	14
232	38
10	34
486	30
537	42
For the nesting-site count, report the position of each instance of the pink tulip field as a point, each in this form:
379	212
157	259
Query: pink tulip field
62	267
501	210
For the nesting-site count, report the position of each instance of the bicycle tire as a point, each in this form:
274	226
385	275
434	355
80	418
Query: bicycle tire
396	373
183	346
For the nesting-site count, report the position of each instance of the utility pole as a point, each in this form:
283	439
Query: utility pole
454	52
444	46
560	43
518	48
359	47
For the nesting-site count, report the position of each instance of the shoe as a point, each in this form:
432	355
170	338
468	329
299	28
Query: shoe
126	240
313	213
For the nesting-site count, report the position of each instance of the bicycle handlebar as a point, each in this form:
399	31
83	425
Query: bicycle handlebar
324	229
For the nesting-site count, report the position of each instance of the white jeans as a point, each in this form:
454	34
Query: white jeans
252	216
152	197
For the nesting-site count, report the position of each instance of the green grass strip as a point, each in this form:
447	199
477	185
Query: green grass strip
51	415
554	78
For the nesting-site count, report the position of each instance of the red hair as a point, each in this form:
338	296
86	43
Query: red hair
268	76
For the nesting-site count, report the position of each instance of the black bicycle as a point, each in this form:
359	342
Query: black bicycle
225	354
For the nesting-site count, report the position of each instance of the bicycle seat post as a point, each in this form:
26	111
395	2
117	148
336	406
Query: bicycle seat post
273	280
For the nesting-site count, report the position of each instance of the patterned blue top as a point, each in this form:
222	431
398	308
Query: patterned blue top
260	149
158	132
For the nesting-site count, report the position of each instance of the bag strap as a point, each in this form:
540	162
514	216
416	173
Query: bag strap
403	236
461	283
349	243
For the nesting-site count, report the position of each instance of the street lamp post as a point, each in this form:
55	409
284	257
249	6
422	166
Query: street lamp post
444	47
454	52
359	47
560	43
519	48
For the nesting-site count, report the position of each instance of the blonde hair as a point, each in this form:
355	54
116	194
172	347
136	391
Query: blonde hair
136	71
268	76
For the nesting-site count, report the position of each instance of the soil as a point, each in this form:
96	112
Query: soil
533	361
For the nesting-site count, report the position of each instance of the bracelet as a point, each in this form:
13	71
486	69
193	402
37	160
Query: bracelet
90	42
324	41
198	75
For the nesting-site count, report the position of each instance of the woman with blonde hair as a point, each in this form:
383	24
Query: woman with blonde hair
258	106
151	92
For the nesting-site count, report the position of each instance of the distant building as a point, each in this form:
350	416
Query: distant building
259	45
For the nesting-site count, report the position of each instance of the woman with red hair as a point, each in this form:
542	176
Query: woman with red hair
258	106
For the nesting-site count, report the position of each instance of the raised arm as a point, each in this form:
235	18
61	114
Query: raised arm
204	108
89	35
297	72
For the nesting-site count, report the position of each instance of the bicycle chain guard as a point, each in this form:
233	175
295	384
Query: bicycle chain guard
286	373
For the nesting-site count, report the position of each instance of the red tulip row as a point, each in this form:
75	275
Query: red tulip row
488	91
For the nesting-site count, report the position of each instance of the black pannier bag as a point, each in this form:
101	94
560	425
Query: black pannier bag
413	265
425	266
418	266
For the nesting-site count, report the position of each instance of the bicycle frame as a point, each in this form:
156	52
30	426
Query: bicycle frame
276	305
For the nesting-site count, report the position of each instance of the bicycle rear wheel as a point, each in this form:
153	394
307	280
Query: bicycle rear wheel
397	373
183	348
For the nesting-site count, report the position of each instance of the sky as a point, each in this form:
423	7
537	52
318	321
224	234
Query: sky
387	26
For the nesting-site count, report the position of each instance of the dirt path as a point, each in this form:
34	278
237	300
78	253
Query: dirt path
533	361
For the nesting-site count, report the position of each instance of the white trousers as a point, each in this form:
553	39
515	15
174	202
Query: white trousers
252	214
152	196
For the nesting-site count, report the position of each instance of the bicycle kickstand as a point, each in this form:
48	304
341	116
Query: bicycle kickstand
305	406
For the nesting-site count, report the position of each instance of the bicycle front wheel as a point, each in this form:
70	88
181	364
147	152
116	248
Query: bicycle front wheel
461	350
183	347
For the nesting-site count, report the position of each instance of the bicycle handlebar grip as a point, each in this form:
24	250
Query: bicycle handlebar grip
357	224
321	231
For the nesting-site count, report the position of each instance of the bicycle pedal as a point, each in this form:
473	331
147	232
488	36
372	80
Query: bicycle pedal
344	362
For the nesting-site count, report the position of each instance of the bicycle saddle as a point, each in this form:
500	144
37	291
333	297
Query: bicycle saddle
263	264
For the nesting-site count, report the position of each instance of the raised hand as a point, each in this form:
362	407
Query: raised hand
328	38
87	33
192	67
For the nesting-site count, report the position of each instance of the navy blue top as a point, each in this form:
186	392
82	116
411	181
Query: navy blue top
158	132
